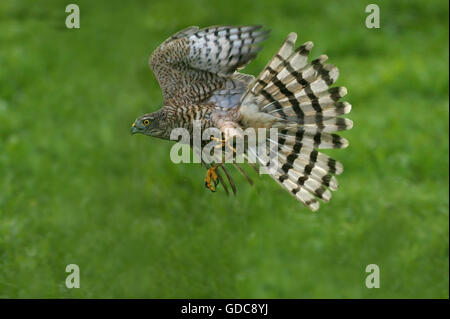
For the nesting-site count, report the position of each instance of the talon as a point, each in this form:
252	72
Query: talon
211	178
210	187
218	140
223	142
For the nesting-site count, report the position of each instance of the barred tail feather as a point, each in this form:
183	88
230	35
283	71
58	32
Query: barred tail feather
295	96
318	140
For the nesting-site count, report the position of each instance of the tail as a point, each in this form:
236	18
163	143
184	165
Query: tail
295	96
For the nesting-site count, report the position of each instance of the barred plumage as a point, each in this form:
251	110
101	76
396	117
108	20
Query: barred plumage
296	96
197	72
193	64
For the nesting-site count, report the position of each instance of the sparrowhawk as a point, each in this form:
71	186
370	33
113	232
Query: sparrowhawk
197	70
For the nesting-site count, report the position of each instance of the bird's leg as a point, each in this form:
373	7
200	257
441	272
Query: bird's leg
212	178
225	141
218	140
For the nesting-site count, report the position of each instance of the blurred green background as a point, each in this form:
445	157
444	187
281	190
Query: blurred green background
76	187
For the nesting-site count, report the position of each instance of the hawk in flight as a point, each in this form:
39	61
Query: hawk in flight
197	70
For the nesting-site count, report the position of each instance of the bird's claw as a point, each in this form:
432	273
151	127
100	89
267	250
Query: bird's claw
223	142
218	140
211	178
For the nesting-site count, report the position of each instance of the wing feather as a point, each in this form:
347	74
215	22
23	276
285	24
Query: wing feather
192	64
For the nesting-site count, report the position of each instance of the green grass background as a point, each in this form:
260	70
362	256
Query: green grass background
76	187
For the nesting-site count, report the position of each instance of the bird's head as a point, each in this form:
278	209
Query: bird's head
150	124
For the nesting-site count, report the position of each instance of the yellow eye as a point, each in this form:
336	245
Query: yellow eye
146	122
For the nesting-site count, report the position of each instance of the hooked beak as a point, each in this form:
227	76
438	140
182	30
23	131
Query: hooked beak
134	129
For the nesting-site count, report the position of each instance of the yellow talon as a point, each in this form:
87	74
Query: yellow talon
211	177
222	142
218	140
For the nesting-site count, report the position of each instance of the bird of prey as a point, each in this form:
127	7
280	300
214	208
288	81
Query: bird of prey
198	72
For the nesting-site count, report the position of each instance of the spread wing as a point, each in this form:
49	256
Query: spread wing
193	63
